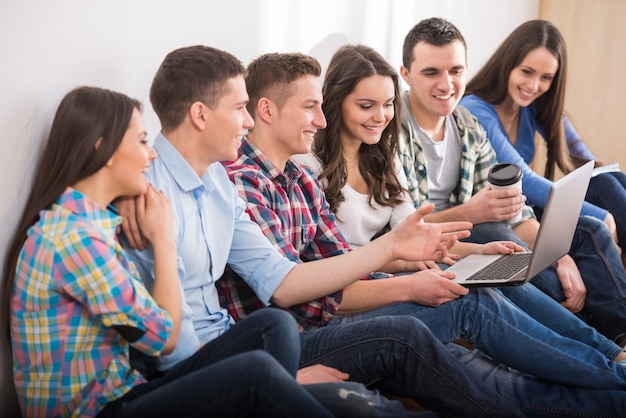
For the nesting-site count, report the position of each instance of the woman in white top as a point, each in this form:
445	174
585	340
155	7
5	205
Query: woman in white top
355	156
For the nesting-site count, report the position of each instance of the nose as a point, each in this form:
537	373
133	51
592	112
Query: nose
248	122
534	83
320	120
152	154
447	83
379	114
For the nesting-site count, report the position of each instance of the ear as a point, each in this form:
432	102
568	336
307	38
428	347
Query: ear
404	72
197	115
265	110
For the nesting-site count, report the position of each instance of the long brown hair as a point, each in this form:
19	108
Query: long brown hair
491	84
88	127
349	65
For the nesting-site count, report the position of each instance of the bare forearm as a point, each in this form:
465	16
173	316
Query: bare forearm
166	291
527	231
366	295
466	248
456	213
312	280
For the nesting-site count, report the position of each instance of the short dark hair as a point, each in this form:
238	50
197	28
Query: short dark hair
271	75
434	31
187	75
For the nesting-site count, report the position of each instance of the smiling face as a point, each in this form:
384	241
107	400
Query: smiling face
367	110
532	77
227	123
299	118
436	78
132	158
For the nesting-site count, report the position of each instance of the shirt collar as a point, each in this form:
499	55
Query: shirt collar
83	206
292	169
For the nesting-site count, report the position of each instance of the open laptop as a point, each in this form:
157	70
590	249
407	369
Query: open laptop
554	239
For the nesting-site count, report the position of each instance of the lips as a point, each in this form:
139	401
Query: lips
526	95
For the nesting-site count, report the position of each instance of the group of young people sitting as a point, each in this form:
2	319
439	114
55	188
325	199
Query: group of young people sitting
281	249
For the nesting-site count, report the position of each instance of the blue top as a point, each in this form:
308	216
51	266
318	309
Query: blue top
212	228
535	187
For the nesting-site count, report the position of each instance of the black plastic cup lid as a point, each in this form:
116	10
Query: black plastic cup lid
504	174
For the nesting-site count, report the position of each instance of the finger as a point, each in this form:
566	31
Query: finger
424	210
431	265
452	227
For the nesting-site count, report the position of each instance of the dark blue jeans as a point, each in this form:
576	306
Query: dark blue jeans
399	355
608	190
248	371
599	264
538	398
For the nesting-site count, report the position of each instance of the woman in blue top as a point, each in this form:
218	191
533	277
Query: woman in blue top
520	92
74	302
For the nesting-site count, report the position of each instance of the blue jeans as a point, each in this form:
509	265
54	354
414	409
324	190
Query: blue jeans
608	190
398	355
490	322
602	270
600	267
248	371
538	398
352	399
554	316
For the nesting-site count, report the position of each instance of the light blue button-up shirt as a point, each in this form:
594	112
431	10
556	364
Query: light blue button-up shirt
212	229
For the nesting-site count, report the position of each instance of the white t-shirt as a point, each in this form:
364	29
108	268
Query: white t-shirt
357	220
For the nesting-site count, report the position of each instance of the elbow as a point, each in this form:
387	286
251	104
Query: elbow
171	342
169	348
281	299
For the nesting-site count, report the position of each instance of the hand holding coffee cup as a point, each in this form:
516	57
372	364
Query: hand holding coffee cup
506	175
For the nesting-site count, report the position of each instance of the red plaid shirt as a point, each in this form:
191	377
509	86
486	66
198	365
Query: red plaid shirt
294	215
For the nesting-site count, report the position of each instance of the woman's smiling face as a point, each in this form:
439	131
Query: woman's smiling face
532	77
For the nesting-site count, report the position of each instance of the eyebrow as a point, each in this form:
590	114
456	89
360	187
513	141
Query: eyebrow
374	101
430	69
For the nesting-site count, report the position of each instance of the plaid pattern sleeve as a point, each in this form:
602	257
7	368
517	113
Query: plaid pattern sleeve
478	156
73	283
293	214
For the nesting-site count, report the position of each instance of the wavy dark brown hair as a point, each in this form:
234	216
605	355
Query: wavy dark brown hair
491	84
86	116
349	65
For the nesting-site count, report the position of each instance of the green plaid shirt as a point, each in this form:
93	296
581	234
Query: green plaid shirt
477	157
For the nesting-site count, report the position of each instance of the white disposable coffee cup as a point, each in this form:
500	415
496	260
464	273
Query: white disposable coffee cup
506	175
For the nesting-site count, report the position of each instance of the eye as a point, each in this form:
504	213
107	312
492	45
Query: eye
365	106
526	71
548	78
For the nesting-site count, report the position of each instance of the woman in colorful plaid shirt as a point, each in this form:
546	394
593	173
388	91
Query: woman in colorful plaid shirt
76	303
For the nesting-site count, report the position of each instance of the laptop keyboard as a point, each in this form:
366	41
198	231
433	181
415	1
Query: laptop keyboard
503	267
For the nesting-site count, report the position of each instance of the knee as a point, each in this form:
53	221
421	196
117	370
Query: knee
275	317
591	225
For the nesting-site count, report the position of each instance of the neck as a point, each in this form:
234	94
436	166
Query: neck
272	150
95	187
508	108
188	142
432	125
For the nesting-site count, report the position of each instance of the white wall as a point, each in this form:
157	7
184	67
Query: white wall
49	47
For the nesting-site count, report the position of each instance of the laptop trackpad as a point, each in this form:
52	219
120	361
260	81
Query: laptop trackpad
471	264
